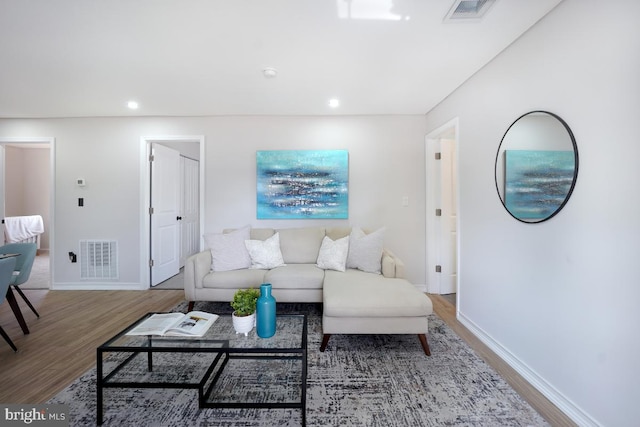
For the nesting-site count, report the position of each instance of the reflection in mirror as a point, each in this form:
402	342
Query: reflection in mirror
536	166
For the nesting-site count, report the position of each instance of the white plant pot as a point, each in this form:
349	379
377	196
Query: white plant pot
244	324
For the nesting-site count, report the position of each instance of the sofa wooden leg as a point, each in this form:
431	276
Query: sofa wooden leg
190	308
325	341
425	345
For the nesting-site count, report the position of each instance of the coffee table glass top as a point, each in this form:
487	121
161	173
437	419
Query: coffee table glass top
290	334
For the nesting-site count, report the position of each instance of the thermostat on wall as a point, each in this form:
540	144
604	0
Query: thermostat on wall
80	182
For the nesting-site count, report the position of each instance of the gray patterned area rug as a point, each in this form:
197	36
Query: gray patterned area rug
360	380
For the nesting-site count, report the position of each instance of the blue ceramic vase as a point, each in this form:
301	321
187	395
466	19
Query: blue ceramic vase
266	312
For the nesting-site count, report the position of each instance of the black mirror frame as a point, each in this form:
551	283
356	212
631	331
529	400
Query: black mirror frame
575	171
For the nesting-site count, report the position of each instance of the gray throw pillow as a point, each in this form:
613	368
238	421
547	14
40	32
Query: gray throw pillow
365	250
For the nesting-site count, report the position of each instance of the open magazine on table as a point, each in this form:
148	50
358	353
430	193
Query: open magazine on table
192	324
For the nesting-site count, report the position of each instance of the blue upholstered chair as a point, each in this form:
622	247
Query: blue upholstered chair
24	262
7	265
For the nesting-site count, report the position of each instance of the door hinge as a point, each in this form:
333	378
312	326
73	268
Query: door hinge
438	269
150	263
438	212
151	158
150	211
438	156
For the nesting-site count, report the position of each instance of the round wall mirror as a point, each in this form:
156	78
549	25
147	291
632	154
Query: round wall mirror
536	166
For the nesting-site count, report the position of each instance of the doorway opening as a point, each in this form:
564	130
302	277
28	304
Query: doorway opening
442	201
27	191
172	206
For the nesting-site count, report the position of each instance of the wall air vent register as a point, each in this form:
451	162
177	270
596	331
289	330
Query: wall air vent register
98	259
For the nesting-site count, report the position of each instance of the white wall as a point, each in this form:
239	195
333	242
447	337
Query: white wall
386	161
559	299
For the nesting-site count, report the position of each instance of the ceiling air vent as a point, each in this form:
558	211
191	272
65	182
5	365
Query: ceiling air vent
468	10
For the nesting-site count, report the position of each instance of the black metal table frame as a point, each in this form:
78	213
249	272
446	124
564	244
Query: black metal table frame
223	355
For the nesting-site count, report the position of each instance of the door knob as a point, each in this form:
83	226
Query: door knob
179	218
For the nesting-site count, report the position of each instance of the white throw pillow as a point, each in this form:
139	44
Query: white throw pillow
228	251
365	250
333	254
265	253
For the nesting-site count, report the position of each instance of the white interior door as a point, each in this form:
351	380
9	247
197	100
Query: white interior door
448	218
165	204
442	251
190	208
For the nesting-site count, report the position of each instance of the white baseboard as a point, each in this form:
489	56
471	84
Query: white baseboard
84	286
556	397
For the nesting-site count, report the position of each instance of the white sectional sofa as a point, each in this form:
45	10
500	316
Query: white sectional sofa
359	282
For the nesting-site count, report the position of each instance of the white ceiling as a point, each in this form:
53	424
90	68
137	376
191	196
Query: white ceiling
77	58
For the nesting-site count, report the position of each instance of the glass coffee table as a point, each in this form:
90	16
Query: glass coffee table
229	370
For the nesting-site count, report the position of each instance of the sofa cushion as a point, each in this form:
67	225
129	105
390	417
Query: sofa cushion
262	233
228	251
295	276
248	278
365	250
359	294
333	254
265	253
336	233
301	245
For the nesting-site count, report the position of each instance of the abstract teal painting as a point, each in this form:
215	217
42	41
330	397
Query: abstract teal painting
537	181
294	184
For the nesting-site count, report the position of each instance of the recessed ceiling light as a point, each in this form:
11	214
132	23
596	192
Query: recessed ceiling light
334	103
132	105
270	72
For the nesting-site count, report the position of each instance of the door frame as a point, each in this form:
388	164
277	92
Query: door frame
449	130
145	196
51	141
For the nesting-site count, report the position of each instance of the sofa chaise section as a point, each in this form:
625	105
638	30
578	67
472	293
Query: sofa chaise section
356	303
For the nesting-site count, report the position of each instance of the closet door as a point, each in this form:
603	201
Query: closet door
189	208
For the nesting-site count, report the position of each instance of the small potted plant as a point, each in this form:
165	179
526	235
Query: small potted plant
244	306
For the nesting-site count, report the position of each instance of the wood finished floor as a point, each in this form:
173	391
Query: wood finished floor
62	343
